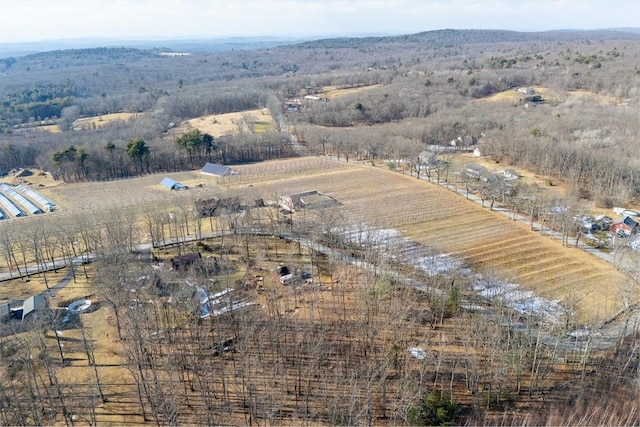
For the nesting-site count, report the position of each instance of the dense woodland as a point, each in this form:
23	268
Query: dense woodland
346	364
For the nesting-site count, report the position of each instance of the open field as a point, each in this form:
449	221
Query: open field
49	128
514	97
103	120
423	212
332	92
250	121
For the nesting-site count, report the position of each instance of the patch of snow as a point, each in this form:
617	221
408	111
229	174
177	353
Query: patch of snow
512	296
492	289
439	264
371	236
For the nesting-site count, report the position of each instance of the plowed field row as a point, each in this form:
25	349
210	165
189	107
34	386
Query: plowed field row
426	213
439	219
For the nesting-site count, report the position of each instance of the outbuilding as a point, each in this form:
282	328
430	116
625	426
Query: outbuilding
307	200
217	169
626	226
172	184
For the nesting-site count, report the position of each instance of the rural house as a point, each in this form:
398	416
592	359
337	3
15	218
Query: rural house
307	200
626	226
217	169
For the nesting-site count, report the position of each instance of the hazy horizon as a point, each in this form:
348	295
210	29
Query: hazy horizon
34	21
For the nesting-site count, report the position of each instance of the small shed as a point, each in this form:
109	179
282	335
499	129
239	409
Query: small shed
217	169
510	174
172	184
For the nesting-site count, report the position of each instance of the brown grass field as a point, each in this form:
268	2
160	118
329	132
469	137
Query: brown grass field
549	95
103	120
332	92
424	212
229	124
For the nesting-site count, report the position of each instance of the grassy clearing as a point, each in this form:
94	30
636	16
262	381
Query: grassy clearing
515	98
332	92
103	120
229	124
423	212
261	127
49	128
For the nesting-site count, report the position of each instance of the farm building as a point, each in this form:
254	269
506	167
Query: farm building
307	200
475	170
181	263
217	169
172	184
625	226
510	174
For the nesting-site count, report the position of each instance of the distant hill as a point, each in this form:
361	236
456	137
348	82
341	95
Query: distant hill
458	37
436	38
177	45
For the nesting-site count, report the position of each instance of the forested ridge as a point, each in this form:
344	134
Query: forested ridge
430	80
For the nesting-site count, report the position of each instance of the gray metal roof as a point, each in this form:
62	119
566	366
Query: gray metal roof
171	184
10	207
43	201
22	201
216	169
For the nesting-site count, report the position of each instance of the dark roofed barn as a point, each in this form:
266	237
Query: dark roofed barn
217	169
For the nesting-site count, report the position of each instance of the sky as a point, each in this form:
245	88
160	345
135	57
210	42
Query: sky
41	20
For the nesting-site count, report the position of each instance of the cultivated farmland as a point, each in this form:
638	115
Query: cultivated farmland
425	213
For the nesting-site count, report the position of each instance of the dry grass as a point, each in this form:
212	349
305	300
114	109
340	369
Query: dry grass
100	196
49	128
487	240
332	92
103	120
229	124
514	97
424	212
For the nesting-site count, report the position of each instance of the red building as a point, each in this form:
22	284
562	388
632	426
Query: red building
625	225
